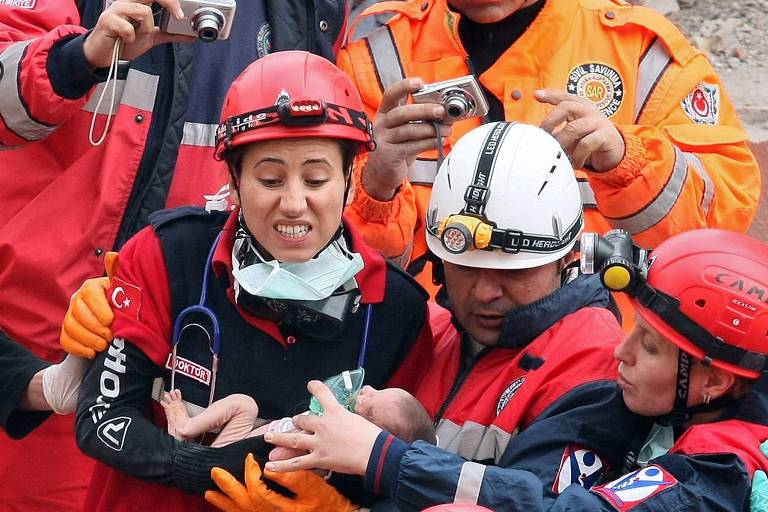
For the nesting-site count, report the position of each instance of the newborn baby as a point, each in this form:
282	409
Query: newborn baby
392	409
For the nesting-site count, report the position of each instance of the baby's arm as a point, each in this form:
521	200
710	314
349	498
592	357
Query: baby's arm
233	415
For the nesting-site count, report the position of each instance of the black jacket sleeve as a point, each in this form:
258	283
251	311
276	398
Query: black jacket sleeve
113	427
18	365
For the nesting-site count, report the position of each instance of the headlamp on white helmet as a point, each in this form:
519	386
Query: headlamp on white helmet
505	197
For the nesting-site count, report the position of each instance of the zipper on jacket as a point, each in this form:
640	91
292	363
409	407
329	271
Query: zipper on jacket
468	364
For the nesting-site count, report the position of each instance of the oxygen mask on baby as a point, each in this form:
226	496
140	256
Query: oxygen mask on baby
345	387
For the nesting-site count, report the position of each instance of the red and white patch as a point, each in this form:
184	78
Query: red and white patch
702	105
21	4
578	466
627	492
125	298
190	369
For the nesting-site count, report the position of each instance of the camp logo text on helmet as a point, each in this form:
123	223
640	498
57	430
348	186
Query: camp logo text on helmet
505	197
292	94
598	83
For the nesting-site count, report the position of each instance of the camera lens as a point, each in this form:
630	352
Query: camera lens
457	104
208	23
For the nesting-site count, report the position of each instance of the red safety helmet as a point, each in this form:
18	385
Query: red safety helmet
292	94
457	507
720	279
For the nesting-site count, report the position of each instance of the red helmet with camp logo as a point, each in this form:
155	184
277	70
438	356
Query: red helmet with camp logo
720	279
292	94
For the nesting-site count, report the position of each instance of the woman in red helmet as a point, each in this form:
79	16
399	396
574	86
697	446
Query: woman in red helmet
257	301
696	361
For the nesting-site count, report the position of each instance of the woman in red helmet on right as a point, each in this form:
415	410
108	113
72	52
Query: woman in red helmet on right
696	361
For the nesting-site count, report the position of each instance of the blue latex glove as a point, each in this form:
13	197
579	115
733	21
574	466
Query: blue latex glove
758	500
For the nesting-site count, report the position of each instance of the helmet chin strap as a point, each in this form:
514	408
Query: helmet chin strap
681	413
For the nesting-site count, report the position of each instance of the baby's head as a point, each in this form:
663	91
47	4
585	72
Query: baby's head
396	411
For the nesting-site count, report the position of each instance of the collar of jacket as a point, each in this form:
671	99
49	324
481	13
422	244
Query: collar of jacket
753	407
535	47
523	325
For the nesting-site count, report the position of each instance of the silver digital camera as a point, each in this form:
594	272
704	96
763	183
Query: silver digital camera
209	20
461	97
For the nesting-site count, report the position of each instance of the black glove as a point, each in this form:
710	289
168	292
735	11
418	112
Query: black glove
193	462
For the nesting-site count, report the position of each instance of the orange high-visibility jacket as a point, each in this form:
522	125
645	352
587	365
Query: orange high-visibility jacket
687	164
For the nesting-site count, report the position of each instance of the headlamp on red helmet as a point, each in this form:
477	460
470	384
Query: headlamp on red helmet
299	113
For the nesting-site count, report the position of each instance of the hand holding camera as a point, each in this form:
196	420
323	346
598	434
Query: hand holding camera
403	131
209	20
400	137
132	23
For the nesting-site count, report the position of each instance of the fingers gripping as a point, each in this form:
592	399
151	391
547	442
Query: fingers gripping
396	93
71	346
233	497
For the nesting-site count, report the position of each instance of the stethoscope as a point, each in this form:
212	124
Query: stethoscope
214	342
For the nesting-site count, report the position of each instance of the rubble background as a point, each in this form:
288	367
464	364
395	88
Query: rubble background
734	34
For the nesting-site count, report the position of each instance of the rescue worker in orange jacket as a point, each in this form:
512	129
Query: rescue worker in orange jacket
635	106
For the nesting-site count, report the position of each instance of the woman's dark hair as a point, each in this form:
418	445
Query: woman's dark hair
234	158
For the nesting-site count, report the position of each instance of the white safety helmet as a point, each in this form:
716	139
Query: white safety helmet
505	197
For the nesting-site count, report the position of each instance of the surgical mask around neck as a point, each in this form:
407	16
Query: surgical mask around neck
315	279
659	441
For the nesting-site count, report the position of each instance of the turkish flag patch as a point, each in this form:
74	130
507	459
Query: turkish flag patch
631	490
125	298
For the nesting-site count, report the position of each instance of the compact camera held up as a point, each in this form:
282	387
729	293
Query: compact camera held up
461	97
210	20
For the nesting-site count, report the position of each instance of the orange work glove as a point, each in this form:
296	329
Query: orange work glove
86	327
312	492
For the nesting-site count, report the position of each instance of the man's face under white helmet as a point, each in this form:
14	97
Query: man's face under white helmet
533	202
